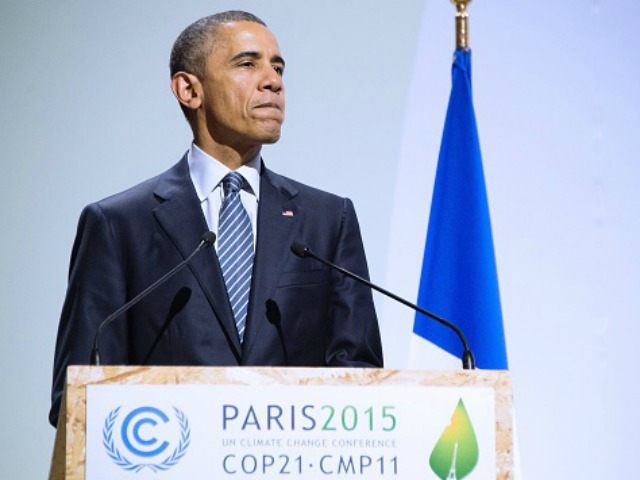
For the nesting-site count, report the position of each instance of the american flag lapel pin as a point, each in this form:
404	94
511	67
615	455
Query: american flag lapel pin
287	213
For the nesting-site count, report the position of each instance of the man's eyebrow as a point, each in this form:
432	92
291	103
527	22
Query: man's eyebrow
278	59
247	54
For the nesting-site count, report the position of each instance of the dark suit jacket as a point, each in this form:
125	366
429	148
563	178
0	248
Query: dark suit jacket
300	313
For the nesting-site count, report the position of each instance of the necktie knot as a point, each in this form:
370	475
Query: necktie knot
232	183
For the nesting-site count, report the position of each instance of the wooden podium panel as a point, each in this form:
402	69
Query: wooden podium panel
68	461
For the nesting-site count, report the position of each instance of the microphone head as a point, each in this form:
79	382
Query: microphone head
208	238
273	312
300	250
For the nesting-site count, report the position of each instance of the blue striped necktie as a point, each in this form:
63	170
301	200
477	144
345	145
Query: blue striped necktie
235	249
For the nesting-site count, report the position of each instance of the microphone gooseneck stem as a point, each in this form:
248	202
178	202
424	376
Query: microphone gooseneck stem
207	239
468	362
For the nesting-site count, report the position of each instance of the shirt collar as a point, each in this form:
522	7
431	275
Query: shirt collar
207	172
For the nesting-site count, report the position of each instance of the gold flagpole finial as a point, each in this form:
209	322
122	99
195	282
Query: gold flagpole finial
462	23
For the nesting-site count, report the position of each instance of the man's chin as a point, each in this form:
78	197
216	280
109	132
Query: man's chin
271	139
271	135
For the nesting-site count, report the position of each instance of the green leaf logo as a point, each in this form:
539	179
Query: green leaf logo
456	453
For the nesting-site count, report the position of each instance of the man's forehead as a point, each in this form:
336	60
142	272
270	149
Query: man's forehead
244	35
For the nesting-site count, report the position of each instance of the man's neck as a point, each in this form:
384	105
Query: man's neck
231	157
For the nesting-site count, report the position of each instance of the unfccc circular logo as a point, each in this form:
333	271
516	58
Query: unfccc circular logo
146	438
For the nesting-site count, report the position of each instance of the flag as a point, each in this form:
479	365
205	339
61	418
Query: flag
459	280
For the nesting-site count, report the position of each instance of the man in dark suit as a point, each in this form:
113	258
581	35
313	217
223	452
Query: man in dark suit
251	301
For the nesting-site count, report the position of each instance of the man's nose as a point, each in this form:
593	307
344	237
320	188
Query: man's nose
271	80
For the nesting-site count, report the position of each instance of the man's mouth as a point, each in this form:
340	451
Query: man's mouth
269	105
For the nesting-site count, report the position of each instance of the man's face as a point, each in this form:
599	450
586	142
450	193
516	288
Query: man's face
243	90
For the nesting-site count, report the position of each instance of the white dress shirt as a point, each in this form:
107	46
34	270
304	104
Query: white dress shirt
207	173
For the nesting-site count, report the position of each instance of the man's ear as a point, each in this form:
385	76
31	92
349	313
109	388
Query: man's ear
187	89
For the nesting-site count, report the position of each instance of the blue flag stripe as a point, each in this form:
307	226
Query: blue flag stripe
459	279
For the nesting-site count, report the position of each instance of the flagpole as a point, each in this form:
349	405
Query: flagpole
462	24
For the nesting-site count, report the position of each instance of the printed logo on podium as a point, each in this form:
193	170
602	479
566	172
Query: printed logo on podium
146	437
456	453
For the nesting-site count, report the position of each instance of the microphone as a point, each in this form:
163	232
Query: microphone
468	362
207	239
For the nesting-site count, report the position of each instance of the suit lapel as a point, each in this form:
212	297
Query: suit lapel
278	217
181	218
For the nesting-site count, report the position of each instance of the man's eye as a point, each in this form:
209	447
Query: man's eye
246	64
279	69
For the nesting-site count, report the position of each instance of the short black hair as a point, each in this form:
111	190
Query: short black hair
194	44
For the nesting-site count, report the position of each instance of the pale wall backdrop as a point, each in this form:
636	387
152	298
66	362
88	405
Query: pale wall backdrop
86	111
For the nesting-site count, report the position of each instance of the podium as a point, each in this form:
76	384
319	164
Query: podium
262	422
